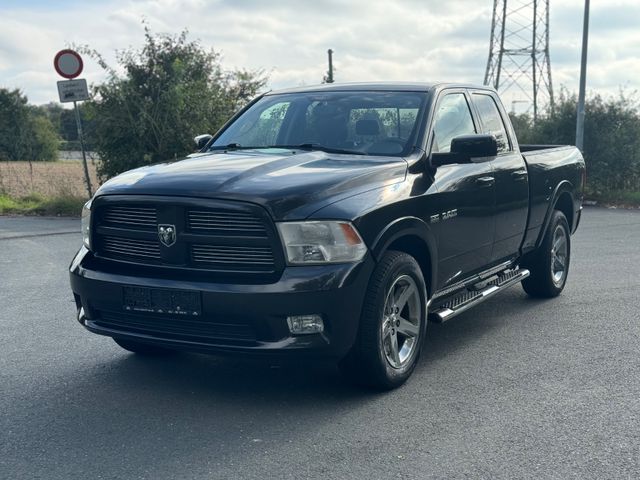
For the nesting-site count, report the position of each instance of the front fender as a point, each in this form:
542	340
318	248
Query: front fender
407	227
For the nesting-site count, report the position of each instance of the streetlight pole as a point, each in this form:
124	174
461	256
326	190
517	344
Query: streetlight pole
583	80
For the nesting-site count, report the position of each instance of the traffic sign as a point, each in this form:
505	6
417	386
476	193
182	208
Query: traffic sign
68	63
73	90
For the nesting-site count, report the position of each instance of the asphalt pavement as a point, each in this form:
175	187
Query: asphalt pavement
515	388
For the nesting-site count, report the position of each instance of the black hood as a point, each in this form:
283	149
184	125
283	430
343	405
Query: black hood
289	186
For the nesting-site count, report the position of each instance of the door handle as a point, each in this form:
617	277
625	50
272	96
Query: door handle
485	181
519	175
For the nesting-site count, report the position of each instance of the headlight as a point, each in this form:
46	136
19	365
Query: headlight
86	224
321	242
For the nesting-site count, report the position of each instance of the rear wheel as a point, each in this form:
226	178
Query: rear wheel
549	265
142	348
392	325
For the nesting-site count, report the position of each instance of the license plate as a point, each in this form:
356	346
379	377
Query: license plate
160	300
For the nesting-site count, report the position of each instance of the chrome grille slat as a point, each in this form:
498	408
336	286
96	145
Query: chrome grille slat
144	248
235	217
224	248
230	248
224	225
149	211
137	255
232	257
227	255
238	221
129	248
130	241
134	246
129	216
234	262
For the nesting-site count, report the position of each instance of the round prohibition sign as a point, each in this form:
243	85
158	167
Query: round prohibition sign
68	63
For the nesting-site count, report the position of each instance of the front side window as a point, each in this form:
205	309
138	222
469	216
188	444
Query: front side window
491	120
371	123
453	118
263	130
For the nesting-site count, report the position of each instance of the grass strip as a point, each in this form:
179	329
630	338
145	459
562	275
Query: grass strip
35	204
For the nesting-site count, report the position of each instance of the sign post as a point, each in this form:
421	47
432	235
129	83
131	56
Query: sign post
68	64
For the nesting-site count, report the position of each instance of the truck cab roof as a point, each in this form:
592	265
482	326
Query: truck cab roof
378	86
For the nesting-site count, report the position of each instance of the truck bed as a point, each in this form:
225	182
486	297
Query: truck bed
552	169
534	147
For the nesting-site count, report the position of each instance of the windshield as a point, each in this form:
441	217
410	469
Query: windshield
359	122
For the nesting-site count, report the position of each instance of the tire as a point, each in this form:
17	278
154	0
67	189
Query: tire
549	264
392	325
142	348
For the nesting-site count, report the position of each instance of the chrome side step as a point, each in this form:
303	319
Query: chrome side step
449	307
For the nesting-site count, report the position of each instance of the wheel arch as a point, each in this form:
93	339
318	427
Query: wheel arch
413	236
564	201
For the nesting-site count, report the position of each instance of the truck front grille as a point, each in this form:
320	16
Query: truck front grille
212	236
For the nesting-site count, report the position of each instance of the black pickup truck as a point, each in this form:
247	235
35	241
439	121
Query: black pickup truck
331	221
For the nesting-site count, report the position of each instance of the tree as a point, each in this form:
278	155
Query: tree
43	144
611	138
63	119
171	90
25	133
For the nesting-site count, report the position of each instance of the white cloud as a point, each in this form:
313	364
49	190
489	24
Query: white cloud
373	40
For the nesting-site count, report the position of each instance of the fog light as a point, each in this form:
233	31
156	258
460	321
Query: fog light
303	324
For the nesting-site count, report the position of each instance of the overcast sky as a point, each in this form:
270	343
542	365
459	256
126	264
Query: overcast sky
412	40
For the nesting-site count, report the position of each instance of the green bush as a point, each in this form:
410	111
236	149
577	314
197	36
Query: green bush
611	138
171	90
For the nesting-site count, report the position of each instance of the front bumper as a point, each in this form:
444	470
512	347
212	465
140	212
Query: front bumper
235	317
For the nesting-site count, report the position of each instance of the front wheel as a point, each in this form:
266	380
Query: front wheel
549	264
392	324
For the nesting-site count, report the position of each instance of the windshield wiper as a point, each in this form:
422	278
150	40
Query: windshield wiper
317	146
229	146
302	146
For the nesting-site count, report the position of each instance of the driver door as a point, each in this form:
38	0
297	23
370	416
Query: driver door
465	196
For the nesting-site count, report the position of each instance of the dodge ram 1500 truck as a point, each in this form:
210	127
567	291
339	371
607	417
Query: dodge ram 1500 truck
332	221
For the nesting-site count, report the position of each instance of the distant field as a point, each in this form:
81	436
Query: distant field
49	179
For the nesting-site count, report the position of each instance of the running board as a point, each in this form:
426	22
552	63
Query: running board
470	297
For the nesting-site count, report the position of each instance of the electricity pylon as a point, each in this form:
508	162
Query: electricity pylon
519	53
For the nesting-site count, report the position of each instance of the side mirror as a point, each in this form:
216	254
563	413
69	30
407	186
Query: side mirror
202	140
466	149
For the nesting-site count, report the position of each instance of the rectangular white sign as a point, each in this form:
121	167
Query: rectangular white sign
73	90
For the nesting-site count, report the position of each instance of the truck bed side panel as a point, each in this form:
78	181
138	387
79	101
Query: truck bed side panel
552	171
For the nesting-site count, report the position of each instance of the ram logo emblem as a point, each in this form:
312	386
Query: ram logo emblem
167	234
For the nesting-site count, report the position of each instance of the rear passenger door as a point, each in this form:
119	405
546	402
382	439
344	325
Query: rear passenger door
510	172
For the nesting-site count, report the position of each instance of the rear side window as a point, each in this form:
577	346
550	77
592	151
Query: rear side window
453	119
491	120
